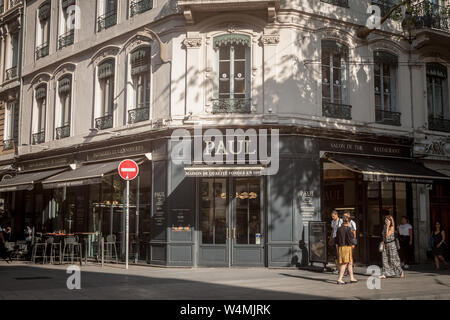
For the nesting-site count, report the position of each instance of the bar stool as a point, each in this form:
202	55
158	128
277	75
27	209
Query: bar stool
71	248
110	244
42	254
55	250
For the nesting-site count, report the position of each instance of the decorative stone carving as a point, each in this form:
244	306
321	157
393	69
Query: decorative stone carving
439	147
270	39
192	43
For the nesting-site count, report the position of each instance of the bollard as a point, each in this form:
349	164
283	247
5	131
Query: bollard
103	251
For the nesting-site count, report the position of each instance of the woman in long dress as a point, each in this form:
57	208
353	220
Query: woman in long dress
391	260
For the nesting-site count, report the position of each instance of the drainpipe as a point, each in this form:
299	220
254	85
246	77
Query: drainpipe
22	55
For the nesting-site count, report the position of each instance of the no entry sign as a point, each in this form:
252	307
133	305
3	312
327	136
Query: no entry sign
128	170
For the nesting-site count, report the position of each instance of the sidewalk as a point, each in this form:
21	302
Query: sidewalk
28	281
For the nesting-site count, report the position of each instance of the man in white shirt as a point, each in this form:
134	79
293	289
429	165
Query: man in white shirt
336	222
405	231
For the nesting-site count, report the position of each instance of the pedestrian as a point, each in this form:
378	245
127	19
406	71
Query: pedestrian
336	222
7	234
391	260
344	239
28	233
3	253
405	231
352	224
438	245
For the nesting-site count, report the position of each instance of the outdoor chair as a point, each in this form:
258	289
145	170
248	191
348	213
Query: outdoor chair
110	244
72	249
55	250
39	251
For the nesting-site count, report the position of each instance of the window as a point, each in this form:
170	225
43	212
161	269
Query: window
13	57
140	74
140	6
340	3
385	72
8	136
65	102
232	85
43	34
108	14
67	31
106	83
437	96
335	80
39	123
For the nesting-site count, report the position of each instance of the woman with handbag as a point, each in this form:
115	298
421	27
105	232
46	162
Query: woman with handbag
391	260
438	247
346	243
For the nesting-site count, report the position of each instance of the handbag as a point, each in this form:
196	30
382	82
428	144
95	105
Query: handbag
381	247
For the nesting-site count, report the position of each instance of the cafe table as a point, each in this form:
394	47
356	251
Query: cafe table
85	236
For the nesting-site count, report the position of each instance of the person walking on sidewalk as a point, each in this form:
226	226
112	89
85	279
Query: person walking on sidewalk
336	222
391	260
344	239
438	240
405	231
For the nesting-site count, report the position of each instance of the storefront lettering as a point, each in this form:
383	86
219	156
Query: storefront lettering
118	151
364	148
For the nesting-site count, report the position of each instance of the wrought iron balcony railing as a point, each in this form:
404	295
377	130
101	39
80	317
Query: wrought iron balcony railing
42	51
430	15
105	122
338	111
388	117
138	115
63	132
438	124
140	6
232	106
13	3
107	20
8	144
38	138
340	3
66	39
11	73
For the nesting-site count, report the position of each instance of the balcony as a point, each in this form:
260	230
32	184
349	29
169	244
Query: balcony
429	15
103	123
13	3
8	144
42	51
138	115
438	124
189	7
38	138
63	132
388	117
107	20
11	73
138	7
340	3
337	111
66	39
231	106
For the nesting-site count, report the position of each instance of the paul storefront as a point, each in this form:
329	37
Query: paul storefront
82	194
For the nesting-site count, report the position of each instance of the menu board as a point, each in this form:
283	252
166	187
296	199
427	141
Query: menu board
159	217
181	219
317	242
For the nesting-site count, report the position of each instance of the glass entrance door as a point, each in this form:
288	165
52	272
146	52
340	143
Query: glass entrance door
247	223
231	222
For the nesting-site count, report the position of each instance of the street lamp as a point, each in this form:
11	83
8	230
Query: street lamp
162	46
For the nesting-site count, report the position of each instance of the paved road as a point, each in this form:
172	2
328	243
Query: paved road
27	281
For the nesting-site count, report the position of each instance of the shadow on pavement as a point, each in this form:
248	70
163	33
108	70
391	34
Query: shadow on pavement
31	282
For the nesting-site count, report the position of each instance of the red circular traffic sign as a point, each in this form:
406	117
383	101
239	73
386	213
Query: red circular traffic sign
128	170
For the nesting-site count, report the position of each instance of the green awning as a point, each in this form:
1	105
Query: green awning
44	11
436	70
106	70
334	46
41	93
67	3
385	57
65	85
232	39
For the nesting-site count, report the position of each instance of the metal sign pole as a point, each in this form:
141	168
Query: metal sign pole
127	225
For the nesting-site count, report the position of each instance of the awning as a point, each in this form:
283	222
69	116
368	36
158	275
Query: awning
387	169
216	172
85	175
26	181
439	167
